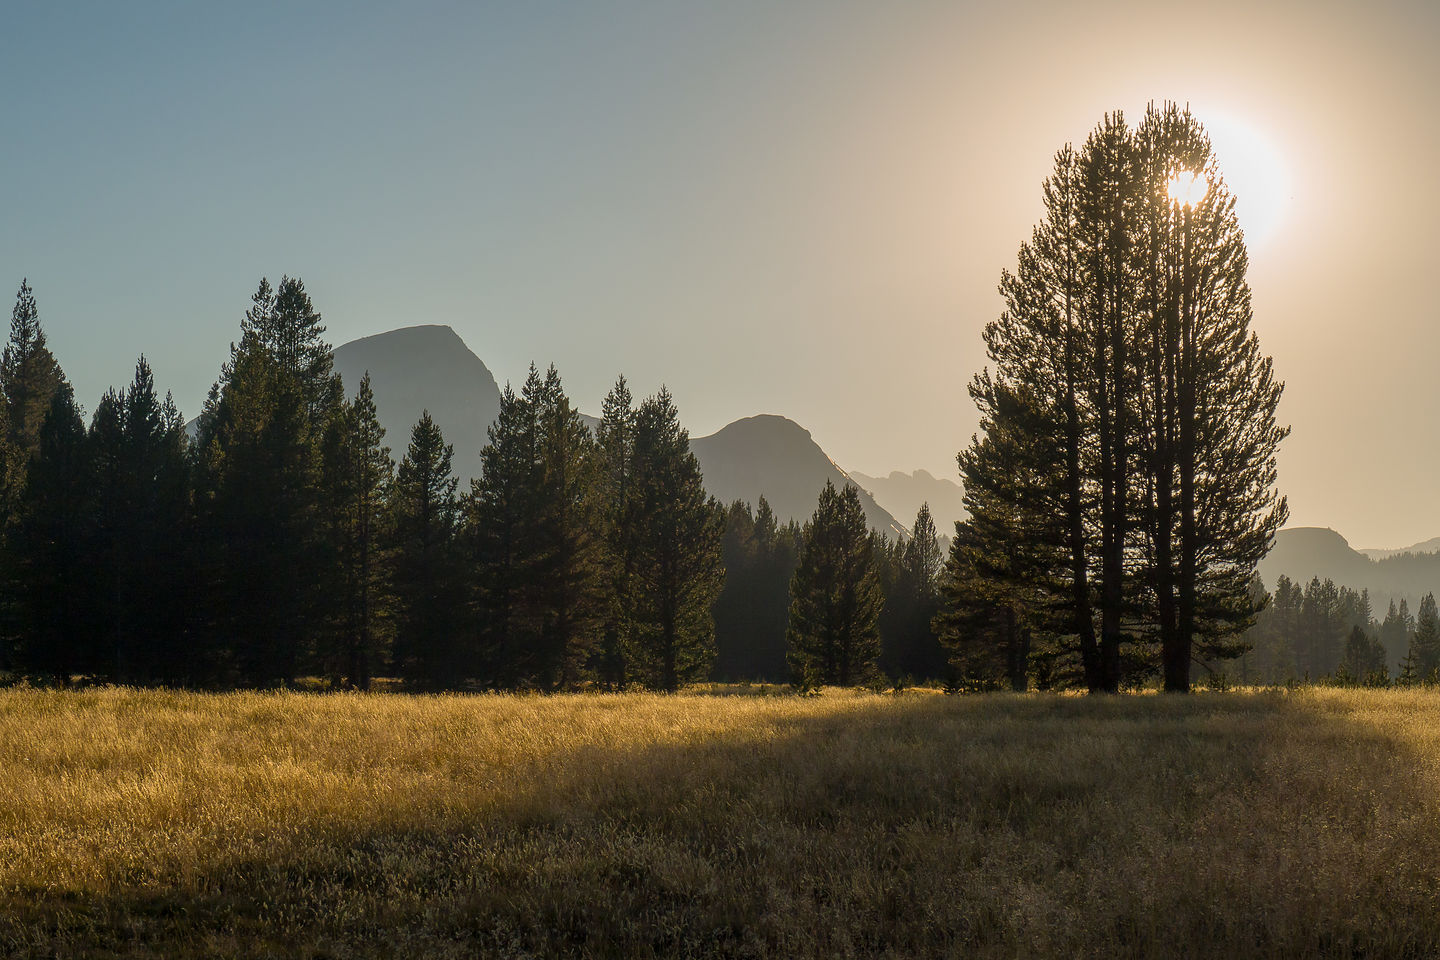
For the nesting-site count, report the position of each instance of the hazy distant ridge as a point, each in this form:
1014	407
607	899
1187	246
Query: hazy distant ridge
903	493
425	368
1301	553
431	367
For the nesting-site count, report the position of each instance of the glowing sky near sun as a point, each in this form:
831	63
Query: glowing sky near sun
800	208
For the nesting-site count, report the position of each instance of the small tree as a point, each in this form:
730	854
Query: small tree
1425	642
29	377
1363	661
835	596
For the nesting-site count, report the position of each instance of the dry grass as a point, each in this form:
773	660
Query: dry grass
1243	824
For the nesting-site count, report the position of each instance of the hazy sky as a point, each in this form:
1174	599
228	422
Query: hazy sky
795	208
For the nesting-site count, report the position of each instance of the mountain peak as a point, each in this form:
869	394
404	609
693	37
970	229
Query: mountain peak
425	367
773	456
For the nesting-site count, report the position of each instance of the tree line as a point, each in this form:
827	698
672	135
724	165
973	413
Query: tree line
1121	491
1322	631
278	538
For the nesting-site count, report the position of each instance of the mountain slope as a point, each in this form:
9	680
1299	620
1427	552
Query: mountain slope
1304	552
903	493
1425	546
777	457
430	367
419	368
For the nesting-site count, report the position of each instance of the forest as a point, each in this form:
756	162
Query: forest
277	539
1121	491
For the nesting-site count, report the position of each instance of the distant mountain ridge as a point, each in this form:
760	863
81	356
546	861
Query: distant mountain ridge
903	493
775	457
1425	546
430	367
1301	553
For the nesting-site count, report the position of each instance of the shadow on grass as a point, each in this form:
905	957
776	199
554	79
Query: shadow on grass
1207	826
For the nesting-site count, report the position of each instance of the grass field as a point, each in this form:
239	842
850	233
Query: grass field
137	823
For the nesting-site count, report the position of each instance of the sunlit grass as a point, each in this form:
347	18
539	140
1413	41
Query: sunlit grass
1251	823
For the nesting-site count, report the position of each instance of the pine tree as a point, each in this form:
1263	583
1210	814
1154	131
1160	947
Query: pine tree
1007	575
357	471
753	609
569	532
500	521
678	572
1216	400
985	627
1126	332
1425	642
1363	659
29	379
51	546
615	437
429	649
836	596
910	646
259	458
141	552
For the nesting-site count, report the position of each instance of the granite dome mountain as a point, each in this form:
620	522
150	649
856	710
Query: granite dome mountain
431	368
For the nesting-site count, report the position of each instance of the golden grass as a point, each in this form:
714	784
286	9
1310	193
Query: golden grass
145	823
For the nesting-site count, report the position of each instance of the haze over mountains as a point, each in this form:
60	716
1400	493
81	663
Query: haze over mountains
903	493
1301	553
425	368
431	368
777	457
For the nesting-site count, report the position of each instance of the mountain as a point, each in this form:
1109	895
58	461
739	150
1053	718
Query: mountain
430	367
903	493
425	368
776	457
1304	552
1426	546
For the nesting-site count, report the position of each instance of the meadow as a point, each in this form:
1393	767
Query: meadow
170	824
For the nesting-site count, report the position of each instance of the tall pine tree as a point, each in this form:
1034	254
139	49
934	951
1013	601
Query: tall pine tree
429	649
678	570
836	597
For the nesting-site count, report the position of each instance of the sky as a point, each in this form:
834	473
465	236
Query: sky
799	208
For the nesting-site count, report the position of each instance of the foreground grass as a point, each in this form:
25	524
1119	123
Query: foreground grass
1247	824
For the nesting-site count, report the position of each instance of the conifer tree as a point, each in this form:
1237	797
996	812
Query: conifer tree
51	544
1362	660
1211	452
500	520
141	551
615	437
983	624
357	471
259	458
753	609
1425	642
678	571
1126	328
836	596
1006	577
910	648
569	530
29	378
426	581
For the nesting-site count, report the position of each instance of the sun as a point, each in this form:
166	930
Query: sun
1187	188
1256	173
